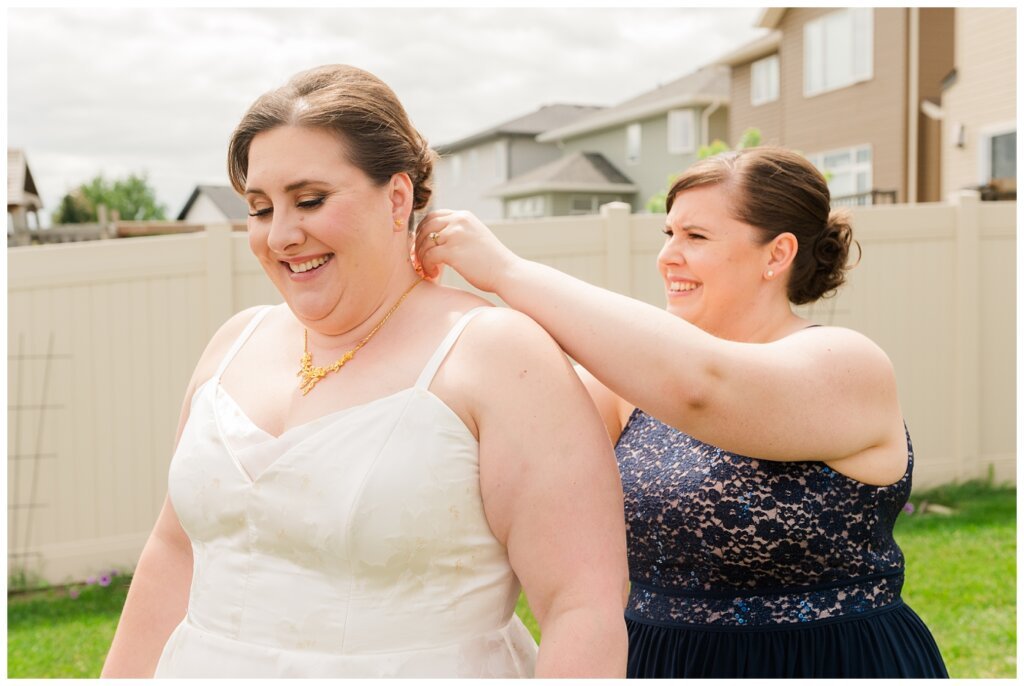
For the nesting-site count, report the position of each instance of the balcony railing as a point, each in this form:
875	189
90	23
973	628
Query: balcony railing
873	197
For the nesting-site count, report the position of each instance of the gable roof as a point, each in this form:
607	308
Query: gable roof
584	172
21	188
224	197
538	121
703	87
755	49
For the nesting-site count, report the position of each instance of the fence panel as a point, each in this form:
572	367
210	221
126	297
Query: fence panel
103	336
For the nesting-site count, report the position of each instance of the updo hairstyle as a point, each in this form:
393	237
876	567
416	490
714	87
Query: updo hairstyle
778	191
356	106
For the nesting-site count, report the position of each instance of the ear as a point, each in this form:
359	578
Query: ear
781	253
400	196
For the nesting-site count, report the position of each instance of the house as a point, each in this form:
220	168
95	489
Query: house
578	183
854	89
22	199
214	205
979	104
471	166
625	152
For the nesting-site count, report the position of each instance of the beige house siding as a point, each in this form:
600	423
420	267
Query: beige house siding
766	117
871	112
985	93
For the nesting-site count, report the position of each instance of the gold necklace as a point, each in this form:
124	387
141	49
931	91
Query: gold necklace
311	375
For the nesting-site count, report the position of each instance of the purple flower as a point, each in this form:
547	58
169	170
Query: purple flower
909	507
74	593
113	572
105	580
91	580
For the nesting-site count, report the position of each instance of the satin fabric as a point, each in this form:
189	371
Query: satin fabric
351	546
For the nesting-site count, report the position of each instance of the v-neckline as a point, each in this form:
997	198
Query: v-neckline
318	423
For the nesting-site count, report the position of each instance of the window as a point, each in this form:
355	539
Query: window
848	170
764	80
456	169
681	128
501	160
522	208
583	204
838	50
633	144
998	149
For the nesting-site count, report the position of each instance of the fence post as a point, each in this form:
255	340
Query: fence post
618	247
220	271
967	322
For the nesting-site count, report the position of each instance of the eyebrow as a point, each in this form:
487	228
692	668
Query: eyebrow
295	185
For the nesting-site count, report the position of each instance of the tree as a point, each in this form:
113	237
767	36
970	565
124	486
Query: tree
131	197
751	138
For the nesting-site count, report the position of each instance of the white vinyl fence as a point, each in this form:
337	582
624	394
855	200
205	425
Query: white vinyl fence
102	338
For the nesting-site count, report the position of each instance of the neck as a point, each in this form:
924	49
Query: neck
762	324
341	333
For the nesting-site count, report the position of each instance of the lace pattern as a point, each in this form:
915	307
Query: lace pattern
719	538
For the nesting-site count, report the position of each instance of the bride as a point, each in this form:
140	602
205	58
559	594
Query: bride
365	474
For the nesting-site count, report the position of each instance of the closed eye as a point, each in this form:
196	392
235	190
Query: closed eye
309	204
260	213
668	232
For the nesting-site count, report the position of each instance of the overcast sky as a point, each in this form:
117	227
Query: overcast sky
160	90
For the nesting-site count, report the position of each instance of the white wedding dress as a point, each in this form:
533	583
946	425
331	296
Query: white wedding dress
351	546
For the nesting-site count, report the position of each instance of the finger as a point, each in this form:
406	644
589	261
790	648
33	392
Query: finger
432	216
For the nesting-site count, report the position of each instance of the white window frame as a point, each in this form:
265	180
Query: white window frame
854	23
593	202
855	167
766	69
682	131
634	143
985	136
530	207
456	169
501	160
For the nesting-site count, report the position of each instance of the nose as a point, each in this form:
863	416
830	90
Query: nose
285	232
670	254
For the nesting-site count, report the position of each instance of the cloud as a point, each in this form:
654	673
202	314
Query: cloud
160	90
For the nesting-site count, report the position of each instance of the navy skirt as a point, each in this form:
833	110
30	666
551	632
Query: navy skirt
889	642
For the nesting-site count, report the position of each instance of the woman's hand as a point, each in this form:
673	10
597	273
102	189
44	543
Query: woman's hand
464	243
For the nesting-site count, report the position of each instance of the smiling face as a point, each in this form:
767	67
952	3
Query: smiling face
712	264
322	230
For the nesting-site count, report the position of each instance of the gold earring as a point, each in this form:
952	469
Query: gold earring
399	222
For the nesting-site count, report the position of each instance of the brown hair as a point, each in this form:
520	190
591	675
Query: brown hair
778	191
357	107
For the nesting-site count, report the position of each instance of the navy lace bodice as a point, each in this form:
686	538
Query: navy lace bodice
716	538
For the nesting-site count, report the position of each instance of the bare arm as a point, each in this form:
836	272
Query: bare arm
158	597
552	494
827	393
614	410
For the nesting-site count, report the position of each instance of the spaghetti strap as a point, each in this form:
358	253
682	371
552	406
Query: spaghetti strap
427	375
240	341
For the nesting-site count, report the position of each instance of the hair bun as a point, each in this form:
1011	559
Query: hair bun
831	251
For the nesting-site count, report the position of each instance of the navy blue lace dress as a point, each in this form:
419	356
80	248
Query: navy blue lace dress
751	568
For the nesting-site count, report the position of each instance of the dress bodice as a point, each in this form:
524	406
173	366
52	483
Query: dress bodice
719	538
361	547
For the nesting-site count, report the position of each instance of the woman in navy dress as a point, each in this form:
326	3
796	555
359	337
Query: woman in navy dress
764	459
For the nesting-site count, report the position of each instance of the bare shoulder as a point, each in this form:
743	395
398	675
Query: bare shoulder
220	343
838	350
507	335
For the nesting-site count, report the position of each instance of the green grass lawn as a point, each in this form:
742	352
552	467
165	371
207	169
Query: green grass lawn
961	579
